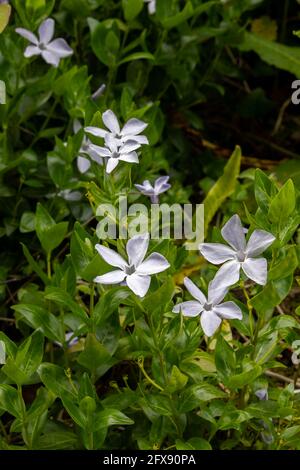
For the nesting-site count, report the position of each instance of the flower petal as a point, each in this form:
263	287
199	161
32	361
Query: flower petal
83	164
31	51
140	139
161	184
229	311
194	291
210	322
96	131
129	146
50	58
233	233
111	165
110	120
27	35
101	151
155	263
138	284
111	257
228	274
217	290
134	127
113	277
258	242
129	157
60	47
191	308
256	269
46	31
136	249
216	253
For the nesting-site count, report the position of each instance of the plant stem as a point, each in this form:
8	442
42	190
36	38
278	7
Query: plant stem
49	265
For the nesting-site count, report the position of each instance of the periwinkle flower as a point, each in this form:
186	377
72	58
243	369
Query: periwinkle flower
210	308
262	394
87	151
137	270
113	153
296	352
240	254
51	51
151	6
160	186
130	131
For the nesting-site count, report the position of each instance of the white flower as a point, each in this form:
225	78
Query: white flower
151	6
131	130
51	51
137	271
114	153
262	394
211	311
241	254
160	186
87	148
70	195
71	342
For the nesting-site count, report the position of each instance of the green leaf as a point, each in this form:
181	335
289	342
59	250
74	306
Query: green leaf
27	222
105	40
95	357
58	440
195	443
182	16
5	11
110	417
177	380
281	56
132	8
137	56
224	358
161	297
55	379
49	233
264	189
195	395
283	204
9	400
244	378
61	297
108	303
223	188
39	317
35	266
29	356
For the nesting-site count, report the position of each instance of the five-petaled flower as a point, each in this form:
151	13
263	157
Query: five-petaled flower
137	271
51	51
160	186
240	254
130	131
113	154
210	308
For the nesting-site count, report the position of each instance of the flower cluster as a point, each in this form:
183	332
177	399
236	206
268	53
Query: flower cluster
120	144
240	255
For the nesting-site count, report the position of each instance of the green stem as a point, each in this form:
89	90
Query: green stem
24	419
49	265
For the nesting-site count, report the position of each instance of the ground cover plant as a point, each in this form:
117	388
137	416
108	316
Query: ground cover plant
113	337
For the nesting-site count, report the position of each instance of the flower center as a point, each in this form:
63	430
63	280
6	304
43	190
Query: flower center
42	46
115	155
207	307
130	269
240	256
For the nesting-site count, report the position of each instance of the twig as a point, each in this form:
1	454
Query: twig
283	378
